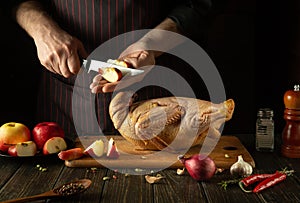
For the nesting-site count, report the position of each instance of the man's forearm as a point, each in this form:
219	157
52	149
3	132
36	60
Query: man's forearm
33	18
161	38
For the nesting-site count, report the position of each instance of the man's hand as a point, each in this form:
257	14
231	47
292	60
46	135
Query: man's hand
137	59
58	52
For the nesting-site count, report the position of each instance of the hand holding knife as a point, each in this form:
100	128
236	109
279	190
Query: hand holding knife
99	85
95	65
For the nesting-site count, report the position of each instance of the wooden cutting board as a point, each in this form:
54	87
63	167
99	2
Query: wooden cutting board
224	154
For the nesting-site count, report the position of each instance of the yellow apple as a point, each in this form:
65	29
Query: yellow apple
12	133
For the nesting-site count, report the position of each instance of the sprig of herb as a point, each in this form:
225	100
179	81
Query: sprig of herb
225	183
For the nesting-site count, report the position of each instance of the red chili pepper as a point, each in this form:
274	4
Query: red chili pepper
255	178
265	179
273	180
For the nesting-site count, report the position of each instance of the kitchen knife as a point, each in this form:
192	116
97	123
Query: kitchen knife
94	65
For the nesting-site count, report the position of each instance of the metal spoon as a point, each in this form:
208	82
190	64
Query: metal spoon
64	190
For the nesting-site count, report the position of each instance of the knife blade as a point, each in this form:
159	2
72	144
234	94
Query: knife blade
94	65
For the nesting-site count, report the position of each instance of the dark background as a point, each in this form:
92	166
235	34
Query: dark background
254	45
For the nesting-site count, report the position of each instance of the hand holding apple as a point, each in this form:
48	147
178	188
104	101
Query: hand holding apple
12	133
44	131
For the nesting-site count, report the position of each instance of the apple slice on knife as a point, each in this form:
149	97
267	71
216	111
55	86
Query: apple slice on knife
111	74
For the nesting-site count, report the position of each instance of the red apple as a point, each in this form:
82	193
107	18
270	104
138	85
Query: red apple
96	149
54	145
111	74
12	133
112	150
44	131
27	148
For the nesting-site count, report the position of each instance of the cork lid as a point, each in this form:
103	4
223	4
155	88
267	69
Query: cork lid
292	98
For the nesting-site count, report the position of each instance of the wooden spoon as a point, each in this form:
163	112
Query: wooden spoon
61	191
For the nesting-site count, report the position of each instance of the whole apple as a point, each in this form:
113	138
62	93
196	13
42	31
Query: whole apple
12	133
44	131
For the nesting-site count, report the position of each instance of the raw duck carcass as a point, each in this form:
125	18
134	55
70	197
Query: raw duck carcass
173	122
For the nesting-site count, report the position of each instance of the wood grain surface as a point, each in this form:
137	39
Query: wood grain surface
224	154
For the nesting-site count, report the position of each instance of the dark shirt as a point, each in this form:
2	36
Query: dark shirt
94	22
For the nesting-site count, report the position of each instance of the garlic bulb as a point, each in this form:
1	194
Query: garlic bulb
241	167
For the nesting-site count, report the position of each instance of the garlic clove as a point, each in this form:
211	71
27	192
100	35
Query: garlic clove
153	179
180	171
241	167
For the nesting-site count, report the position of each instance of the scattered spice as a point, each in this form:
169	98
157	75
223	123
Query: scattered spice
94	170
40	168
70	189
139	170
219	170
106	178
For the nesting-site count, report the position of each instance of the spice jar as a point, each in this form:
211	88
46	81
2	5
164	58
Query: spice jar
265	130
291	132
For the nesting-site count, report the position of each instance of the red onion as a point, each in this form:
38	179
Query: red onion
199	166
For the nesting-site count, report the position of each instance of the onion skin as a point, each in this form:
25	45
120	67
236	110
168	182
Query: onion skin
200	167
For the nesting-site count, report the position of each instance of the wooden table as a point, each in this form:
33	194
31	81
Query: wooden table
21	177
